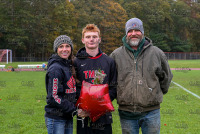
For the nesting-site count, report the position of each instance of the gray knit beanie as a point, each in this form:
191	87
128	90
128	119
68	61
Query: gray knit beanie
134	23
62	39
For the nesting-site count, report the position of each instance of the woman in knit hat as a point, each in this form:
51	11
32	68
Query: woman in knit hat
60	88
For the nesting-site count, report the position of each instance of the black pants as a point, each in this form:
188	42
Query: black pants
93	128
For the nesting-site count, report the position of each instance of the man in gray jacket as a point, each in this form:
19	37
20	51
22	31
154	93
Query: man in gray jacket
143	77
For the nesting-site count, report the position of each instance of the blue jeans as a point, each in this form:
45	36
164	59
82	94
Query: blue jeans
59	126
150	124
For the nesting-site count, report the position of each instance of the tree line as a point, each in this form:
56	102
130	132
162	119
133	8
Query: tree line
29	27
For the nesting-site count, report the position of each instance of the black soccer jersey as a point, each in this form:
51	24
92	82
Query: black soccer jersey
86	65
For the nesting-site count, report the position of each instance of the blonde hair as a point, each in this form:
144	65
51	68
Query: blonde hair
90	28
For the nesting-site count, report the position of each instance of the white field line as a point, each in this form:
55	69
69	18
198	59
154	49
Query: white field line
186	90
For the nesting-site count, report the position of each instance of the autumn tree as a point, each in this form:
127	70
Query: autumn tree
109	16
29	27
170	24
32	26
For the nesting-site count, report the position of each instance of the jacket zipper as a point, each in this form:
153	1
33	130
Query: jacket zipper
136	92
135	95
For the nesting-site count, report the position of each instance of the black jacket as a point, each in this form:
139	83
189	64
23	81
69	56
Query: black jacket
86	65
60	88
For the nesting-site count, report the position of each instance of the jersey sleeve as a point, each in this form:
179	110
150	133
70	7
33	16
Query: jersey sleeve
113	81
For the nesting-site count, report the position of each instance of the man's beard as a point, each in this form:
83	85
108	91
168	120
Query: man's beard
133	43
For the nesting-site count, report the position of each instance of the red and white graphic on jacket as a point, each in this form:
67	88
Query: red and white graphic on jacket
55	90
91	74
71	85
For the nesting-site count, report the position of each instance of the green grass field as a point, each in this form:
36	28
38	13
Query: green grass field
184	63
14	64
22	101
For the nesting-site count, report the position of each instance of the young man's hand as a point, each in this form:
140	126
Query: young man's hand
82	113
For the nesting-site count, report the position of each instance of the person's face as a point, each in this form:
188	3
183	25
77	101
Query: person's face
134	37
64	51
91	40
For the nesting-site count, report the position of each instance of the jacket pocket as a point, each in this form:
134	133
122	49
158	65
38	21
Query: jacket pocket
148	96
124	97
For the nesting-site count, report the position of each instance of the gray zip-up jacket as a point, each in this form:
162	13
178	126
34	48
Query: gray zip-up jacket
142	81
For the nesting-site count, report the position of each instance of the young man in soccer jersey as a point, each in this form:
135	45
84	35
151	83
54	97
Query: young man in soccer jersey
89	59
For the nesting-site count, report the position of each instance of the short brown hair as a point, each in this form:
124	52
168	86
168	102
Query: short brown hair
90	28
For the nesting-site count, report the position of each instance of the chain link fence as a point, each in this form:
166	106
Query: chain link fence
182	55
29	59
170	56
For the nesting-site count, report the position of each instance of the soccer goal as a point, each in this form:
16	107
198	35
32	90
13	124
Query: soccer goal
6	55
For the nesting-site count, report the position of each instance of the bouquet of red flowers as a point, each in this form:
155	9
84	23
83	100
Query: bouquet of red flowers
94	98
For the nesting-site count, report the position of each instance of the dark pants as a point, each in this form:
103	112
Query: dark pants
93	128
